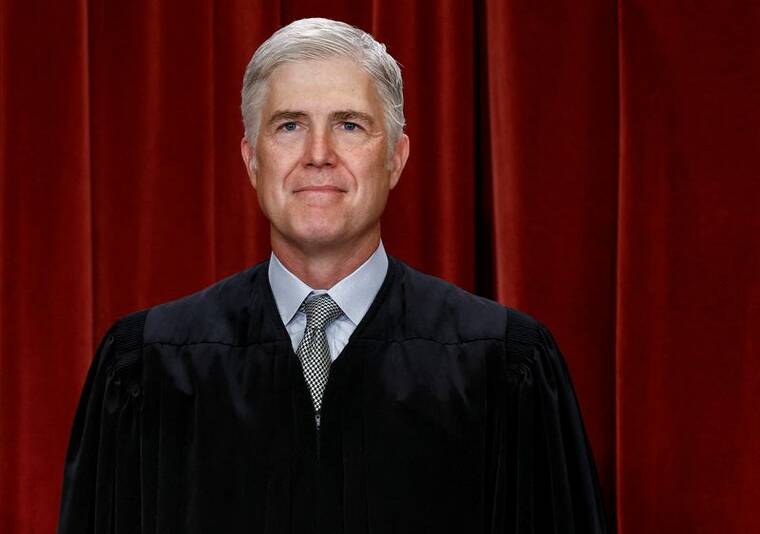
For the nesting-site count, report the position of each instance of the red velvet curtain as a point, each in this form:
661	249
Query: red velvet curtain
593	163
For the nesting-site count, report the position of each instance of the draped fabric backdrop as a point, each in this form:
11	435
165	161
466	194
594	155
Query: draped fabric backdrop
592	163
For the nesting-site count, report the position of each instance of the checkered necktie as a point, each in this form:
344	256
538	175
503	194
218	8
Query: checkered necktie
313	350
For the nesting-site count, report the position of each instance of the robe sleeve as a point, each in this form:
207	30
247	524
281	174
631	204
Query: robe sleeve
544	474
101	481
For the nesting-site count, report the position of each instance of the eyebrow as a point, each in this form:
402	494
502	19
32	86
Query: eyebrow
286	115
352	115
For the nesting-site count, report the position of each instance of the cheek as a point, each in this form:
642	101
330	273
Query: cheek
274	167
366	162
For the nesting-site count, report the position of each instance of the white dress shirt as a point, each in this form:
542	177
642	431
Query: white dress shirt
354	294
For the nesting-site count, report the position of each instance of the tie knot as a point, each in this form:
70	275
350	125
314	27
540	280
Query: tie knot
320	311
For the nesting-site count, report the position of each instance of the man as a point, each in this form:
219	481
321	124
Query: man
332	388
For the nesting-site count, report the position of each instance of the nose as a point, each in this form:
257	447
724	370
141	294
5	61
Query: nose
319	150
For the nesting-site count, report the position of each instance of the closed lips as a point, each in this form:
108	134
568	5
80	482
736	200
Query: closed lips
320	188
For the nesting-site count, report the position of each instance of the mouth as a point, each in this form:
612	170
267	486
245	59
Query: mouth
319	196
319	189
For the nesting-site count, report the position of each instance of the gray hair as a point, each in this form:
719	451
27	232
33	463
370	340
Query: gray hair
315	39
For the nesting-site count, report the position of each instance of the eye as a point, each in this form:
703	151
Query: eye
350	126
289	126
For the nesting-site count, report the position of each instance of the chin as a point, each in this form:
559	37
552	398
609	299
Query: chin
320	234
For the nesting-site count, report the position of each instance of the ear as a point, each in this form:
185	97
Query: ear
398	158
247	151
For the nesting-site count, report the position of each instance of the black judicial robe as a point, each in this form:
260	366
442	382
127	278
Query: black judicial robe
445	412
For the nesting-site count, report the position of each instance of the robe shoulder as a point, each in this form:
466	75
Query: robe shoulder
216	314
439	310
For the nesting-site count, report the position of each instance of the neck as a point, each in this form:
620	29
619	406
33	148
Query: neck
321	267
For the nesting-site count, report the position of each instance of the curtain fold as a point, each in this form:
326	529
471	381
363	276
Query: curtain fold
688	289
46	298
552	95
591	163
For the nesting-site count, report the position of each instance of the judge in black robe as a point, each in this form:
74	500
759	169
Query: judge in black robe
445	412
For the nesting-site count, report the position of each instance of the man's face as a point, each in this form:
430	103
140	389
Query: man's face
320	165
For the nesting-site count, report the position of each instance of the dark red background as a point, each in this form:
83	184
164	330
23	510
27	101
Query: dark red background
592	163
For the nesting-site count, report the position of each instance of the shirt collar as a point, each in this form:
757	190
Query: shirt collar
354	293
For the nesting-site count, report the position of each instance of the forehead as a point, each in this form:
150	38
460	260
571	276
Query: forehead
327	84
